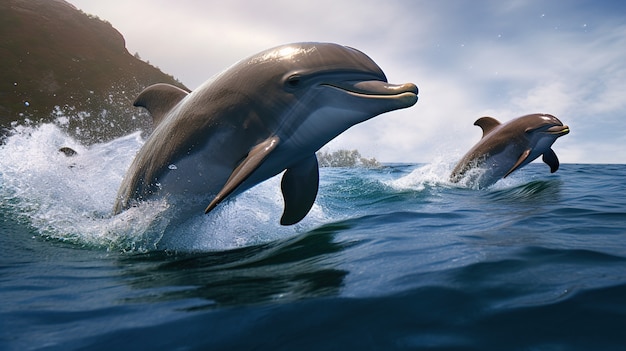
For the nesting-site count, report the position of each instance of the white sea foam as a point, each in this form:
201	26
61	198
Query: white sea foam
437	174
71	199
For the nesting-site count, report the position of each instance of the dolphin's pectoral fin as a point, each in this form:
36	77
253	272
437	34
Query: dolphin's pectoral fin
520	160
159	99
255	157
487	124
299	186
549	157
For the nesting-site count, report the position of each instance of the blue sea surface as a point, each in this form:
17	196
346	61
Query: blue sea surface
390	258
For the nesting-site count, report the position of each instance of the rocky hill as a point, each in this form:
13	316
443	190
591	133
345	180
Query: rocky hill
57	60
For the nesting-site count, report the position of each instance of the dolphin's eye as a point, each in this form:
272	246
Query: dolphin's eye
293	81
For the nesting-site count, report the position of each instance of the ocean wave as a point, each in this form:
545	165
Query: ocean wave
535	190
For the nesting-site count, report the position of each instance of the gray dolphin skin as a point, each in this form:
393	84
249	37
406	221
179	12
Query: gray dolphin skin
507	147
268	113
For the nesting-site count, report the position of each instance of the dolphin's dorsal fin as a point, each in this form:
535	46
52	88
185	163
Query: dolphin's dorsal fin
159	99
549	157
255	158
299	186
520	160
487	124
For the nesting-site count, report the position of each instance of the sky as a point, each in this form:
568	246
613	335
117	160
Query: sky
503	59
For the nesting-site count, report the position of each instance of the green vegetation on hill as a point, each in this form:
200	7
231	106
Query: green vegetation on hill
57	60
345	158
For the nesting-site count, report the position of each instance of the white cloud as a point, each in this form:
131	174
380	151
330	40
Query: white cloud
469	59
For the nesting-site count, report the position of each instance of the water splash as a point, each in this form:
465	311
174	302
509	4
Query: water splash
71	199
437	174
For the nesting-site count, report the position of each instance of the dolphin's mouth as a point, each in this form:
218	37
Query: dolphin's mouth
377	89
558	130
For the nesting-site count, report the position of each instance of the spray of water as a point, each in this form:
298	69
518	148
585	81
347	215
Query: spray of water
71	199
437	175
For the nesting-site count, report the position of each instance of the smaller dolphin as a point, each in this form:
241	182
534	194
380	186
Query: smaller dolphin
510	146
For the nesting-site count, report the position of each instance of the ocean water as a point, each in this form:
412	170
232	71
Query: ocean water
390	258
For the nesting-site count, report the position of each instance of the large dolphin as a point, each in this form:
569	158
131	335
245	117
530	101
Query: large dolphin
510	146
268	113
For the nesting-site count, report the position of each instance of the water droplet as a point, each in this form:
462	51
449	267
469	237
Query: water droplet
172	166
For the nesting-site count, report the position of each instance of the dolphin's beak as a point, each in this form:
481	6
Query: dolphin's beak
558	130
378	89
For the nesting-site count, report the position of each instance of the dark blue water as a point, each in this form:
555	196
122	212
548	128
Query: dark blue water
393	258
